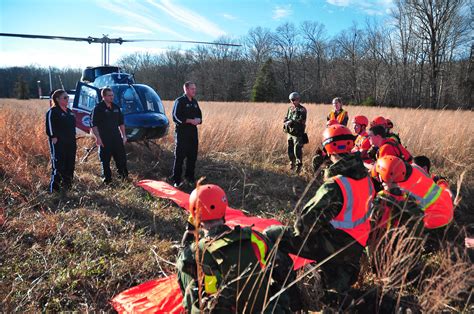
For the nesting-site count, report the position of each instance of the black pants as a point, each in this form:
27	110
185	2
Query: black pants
186	147
63	162
116	150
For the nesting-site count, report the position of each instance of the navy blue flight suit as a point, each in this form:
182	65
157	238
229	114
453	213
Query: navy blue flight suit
186	137
107	122
61	125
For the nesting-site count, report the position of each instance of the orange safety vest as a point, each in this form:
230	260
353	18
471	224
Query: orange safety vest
356	209
435	201
400	151
340	117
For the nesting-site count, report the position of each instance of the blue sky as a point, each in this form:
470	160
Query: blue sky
201	20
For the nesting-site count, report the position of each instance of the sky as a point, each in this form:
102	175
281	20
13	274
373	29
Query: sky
198	20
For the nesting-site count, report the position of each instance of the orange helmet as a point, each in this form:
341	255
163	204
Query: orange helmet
362	120
209	202
379	121
338	139
389	124
331	122
391	169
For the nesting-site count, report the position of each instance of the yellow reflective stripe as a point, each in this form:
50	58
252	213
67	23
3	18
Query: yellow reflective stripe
432	195
210	284
262	246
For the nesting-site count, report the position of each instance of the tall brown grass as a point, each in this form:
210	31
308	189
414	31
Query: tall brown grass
78	251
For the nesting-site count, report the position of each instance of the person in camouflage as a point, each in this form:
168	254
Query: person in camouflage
335	223
235	264
294	125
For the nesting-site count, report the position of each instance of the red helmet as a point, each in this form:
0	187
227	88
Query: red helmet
208	202
389	124
338	139
331	122
379	121
362	120
391	169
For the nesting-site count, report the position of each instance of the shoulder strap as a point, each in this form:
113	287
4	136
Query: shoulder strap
398	148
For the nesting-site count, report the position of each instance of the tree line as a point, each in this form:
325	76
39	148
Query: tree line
421	56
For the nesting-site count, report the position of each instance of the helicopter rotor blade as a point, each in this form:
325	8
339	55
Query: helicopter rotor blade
181	41
86	39
108	40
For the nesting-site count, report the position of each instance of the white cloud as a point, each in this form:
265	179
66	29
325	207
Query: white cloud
143	19
229	16
188	18
280	12
339	3
370	7
73	58
129	29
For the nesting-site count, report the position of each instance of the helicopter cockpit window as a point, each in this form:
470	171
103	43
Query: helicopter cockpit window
151	100
128	98
87	98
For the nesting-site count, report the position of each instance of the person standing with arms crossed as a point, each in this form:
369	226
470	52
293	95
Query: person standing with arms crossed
186	116
61	131
109	130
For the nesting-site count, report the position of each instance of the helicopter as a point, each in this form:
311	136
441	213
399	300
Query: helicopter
143	110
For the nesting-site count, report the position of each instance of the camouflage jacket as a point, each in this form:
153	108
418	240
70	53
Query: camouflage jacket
328	200
232	268
295	120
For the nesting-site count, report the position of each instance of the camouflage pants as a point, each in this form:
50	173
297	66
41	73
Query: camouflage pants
339	272
295	149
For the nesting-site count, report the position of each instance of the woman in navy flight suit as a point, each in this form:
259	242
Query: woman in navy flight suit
61	131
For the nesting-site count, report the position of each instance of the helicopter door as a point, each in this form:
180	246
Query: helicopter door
87	96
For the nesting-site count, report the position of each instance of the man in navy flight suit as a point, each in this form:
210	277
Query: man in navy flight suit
109	130
186	115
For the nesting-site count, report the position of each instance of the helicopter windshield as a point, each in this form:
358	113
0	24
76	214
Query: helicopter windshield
150	98
139	98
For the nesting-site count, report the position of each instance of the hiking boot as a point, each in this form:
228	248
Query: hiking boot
298	169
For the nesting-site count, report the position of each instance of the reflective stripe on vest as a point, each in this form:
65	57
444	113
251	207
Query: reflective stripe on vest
434	192
360	140
348	223
435	201
210	284
340	117
260	247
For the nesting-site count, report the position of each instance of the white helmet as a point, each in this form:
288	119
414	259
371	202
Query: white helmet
294	95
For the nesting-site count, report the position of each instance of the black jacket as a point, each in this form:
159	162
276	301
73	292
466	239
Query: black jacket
185	109
107	121
61	124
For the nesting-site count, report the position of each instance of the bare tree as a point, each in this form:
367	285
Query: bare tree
258	45
287	41
315	44
349	47
438	22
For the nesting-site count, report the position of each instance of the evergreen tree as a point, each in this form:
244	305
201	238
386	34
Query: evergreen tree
265	88
21	89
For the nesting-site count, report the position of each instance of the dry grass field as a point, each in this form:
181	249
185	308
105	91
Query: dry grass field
76	252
